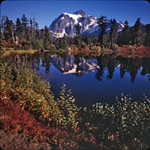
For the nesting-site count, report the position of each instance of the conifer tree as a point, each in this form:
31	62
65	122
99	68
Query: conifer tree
64	44
7	29
137	36
42	36
78	37
126	32
94	38
29	38
86	38
47	40
132	41
31	28
147	39
19	28
24	26
120	38
2	26
35	29
102	28
113	32
12	29
1	41
106	39
37	34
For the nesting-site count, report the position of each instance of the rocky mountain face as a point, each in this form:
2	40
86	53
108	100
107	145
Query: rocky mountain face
66	24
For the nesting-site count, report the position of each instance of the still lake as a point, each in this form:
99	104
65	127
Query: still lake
94	79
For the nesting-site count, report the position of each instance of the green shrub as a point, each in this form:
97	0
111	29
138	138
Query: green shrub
37	44
69	110
34	94
124	123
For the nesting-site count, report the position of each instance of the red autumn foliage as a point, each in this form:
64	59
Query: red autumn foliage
9	44
18	120
133	51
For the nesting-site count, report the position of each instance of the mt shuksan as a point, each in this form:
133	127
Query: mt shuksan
66	24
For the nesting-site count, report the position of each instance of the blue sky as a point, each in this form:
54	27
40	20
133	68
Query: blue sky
46	11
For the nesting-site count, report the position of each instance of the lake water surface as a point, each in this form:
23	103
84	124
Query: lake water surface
94	79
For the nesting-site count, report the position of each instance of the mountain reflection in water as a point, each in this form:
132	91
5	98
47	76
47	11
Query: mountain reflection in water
97	79
94	79
79	65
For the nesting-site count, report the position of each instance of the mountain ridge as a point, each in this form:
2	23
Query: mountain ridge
66	23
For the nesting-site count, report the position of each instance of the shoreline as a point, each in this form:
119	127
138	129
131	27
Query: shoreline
8	52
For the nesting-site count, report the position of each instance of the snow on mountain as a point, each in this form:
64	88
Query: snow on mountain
70	66
66	24
74	16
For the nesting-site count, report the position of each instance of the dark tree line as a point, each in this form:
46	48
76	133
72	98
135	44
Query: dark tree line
135	35
127	65
27	35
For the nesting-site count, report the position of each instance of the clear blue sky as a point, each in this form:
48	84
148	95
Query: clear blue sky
46	11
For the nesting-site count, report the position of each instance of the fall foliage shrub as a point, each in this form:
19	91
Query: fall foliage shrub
134	51
98	47
17	120
86	48
27	88
29	106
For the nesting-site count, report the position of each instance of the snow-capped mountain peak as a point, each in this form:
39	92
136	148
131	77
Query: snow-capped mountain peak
73	16
66	24
82	13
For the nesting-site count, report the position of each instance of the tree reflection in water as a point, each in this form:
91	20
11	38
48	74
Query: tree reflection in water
101	63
